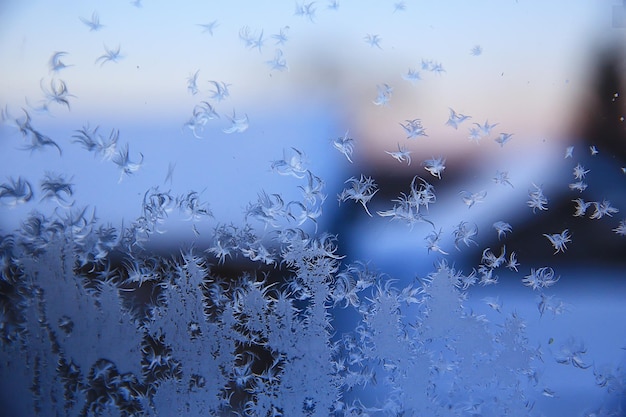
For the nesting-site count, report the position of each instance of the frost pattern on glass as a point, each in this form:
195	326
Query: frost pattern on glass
268	316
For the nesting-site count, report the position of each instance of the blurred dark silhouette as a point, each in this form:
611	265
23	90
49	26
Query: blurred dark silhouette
603	116
600	123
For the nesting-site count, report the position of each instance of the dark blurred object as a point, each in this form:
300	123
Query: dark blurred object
594	242
603	117
602	125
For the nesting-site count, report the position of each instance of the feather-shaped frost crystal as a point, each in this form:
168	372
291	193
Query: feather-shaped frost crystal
399	6
465	233
401	155
279	63
408	207
373	40
455	119
580	172
220	90
559	240
192	83
110	55
37	139
491	261
413	128
470	198
493	302
502	177
571	354
621	228
412	76
540	278
361	190
432	242
502	228
191	205
603	208
238	124
384	95
209	27
406	210
578	186
94	23
345	145
537	201
313	190
281	37
268	209
57	93
435	166
92	141
474	135
16	192
480	131
300	213
55	187
307	10
201	115
122	160
486	128
294	164
252	40
503	138
476	50
55	62
432	66
422	194
170	173
512	263
581	207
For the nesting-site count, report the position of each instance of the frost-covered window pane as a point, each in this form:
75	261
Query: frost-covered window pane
312	208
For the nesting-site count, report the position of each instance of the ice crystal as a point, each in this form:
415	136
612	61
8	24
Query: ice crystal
361	190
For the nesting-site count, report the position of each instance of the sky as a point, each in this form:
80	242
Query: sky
532	72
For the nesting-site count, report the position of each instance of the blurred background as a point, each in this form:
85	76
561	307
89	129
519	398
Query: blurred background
551	74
